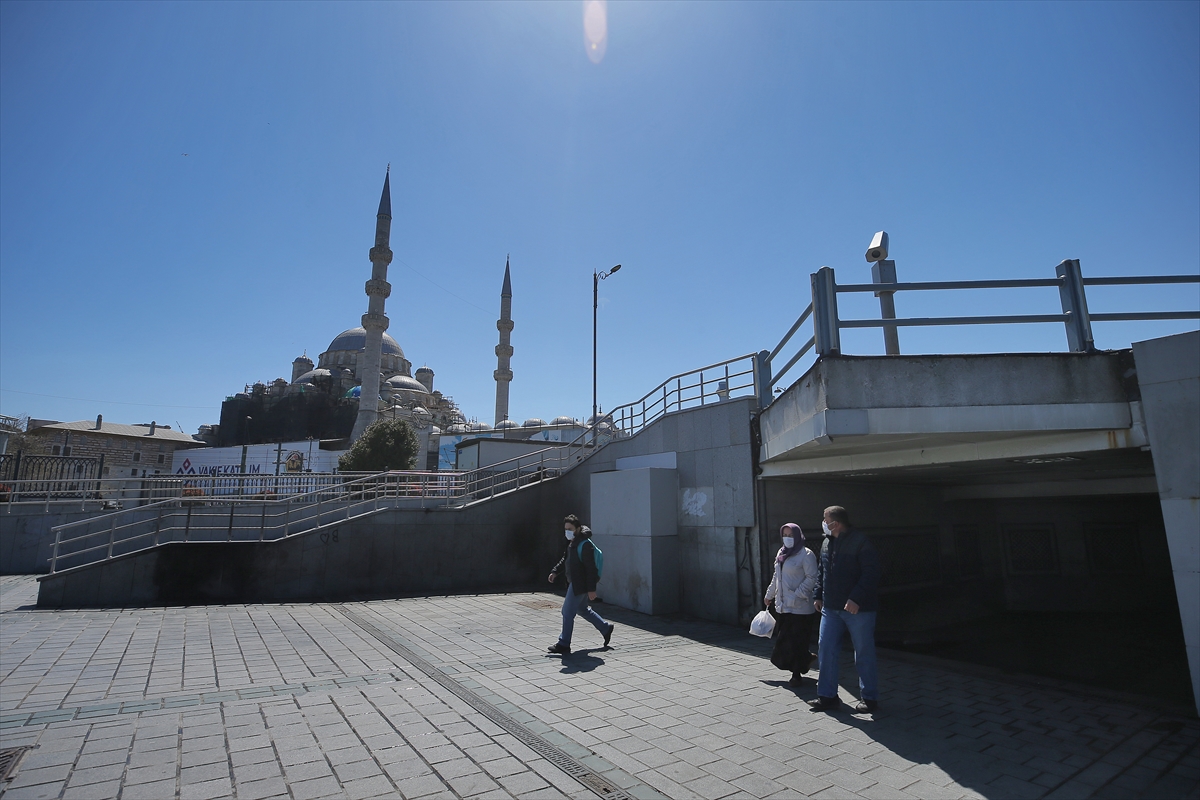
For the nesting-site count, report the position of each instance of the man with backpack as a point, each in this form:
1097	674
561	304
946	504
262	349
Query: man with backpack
582	563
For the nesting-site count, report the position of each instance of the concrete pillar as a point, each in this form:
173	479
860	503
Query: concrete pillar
634	521
1169	376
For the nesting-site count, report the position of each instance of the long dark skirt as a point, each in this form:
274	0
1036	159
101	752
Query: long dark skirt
792	635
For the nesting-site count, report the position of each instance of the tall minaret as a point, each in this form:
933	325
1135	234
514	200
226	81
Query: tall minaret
504	350
375	321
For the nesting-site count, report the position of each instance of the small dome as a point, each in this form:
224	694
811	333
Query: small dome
423	370
356	339
534	423
563	420
397	382
458	428
479	426
507	425
312	375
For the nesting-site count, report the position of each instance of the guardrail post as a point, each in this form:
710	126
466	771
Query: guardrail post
54	552
157	526
187	523
112	533
762	377
1074	305
825	313
262	522
287	518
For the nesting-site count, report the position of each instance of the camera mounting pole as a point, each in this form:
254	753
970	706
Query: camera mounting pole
883	271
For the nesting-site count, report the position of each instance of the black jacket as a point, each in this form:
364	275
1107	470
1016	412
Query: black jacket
581	573
850	570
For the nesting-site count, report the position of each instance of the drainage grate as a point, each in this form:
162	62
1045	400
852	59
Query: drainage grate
580	772
9	759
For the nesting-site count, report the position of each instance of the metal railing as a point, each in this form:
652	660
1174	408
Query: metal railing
225	519
132	492
1069	280
712	384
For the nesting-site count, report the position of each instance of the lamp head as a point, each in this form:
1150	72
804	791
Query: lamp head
614	269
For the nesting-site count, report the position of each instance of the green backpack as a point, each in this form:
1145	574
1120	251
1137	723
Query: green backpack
599	557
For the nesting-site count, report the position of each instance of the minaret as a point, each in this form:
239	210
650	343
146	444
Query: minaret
375	321
504	350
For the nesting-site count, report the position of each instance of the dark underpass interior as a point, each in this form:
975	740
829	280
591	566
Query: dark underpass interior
1076	588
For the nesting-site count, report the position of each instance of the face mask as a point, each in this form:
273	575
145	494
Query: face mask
825	527
788	541
569	534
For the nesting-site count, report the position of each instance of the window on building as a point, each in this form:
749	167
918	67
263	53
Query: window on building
162	448
137	446
66	450
108	442
56	450
137	456
83	440
161	458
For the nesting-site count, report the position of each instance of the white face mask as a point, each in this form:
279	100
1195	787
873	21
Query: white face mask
788	541
825	527
569	534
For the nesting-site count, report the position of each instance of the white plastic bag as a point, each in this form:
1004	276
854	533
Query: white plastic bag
763	624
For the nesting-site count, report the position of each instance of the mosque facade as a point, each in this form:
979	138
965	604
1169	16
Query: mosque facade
324	401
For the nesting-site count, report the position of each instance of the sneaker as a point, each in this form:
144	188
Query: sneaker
608	633
825	704
866	706
561	649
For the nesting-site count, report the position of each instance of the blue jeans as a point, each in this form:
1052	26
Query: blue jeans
578	604
862	632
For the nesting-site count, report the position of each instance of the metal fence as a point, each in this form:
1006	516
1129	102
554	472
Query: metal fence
1069	280
225	519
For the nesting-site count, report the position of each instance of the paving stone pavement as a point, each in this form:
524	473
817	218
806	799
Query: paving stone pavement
453	697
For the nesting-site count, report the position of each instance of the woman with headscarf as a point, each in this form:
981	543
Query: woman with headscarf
791	591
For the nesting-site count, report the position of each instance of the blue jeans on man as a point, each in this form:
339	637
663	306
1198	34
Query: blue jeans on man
578	604
835	622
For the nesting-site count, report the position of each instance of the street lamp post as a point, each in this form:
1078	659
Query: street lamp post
596	278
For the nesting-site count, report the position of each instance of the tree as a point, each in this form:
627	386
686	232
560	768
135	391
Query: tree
387	444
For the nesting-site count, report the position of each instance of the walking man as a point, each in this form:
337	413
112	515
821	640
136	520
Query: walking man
580	564
847	598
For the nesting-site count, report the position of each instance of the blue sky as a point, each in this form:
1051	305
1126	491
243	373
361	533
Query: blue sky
720	151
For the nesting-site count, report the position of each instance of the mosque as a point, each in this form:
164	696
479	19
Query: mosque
364	375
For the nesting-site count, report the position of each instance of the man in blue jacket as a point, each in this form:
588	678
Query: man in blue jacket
847	597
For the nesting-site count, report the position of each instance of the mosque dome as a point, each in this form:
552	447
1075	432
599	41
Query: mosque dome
403	382
313	375
507	424
563	420
479	426
534	423
458	428
356	339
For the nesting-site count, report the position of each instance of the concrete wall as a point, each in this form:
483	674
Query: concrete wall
716	484
635	523
513	540
1169	375
498	545
25	538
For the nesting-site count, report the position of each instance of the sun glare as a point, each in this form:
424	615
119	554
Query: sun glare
595	29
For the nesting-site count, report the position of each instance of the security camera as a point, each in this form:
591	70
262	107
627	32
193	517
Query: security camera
878	251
